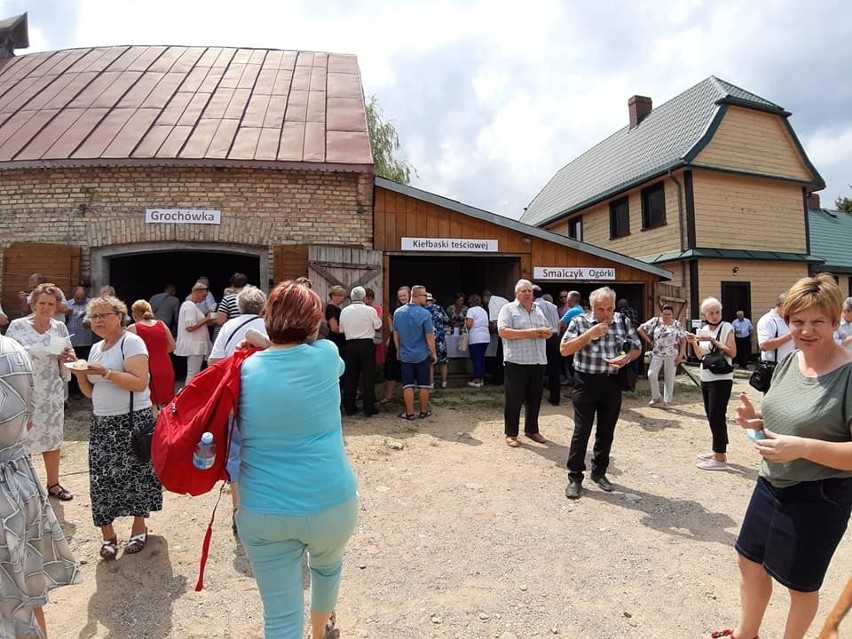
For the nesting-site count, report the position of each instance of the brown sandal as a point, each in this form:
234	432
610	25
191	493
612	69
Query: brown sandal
108	549
61	494
136	543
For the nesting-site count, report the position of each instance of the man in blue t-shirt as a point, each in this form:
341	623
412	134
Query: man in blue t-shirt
413	335
574	308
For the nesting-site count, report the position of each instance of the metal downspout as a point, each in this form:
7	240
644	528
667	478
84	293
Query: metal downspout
681	224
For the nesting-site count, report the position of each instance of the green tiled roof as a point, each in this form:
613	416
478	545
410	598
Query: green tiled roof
668	137
831	238
730	254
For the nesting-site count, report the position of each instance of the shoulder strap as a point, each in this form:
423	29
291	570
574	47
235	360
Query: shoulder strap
237	330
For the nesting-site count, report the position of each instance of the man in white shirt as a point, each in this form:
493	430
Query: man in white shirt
554	359
843	336
494	354
773	335
359	323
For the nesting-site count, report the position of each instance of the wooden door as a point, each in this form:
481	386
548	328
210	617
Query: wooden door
59	263
665	293
343	266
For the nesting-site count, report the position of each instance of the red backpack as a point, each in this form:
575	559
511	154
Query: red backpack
207	404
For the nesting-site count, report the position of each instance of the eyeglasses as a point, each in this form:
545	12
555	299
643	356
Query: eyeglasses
99	316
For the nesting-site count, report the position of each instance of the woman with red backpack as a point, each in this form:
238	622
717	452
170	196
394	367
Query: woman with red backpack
297	489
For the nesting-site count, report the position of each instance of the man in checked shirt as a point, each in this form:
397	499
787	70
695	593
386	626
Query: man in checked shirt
602	342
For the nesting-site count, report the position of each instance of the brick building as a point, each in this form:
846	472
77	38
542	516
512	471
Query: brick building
102	149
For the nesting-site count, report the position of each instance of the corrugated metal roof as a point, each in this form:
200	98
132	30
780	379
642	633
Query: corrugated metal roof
662	140
831	238
166	104
520	227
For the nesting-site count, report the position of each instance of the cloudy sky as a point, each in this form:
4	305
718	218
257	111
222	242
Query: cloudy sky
490	98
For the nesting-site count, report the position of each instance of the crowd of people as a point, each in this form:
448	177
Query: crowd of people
293	487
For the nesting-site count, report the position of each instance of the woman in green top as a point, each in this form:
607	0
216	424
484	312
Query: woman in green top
801	505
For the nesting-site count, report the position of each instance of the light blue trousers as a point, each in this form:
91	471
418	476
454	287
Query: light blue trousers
275	544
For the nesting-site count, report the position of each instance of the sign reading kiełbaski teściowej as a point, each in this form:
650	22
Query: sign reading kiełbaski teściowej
182	216
448	244
573	273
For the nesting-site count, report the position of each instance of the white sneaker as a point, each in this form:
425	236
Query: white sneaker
712	464
475	384
655	402
706	456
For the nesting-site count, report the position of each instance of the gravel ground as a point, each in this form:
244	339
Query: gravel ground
461	536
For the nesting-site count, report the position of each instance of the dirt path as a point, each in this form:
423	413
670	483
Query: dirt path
462	537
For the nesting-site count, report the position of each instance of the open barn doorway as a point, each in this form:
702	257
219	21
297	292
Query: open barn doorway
140	271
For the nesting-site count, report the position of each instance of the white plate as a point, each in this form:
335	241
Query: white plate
72	366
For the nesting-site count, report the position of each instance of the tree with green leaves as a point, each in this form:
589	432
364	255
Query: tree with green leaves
844	204
385	142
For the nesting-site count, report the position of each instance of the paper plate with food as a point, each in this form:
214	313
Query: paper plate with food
78	365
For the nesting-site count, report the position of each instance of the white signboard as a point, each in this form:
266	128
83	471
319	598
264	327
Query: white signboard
182	216
448	244
572	273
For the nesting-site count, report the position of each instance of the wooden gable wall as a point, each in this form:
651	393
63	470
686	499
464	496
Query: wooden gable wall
398	215
755	142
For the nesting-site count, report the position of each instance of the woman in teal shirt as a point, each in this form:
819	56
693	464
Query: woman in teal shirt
803	498
297	489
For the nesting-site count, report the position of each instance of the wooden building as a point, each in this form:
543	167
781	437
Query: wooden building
711	185
451	247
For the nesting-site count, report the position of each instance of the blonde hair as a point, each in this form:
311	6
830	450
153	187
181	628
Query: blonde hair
141	308
113	303
819	291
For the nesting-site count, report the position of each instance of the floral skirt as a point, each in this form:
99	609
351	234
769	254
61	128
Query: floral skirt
119	485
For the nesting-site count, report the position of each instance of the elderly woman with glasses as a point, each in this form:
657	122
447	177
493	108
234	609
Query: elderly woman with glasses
116	378
47	343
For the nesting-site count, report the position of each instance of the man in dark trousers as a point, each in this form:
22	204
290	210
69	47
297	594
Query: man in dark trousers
601	343
742	336
358	323
524	330
554	359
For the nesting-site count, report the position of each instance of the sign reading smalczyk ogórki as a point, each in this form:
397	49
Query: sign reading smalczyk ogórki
448	244
182	216
573	273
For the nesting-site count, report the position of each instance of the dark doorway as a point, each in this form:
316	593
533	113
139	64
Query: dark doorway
144	274
444	276
736	296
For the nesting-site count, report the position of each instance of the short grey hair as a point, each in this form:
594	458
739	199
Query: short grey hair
847	304
603	291
710	302
358	294
521	283
251	300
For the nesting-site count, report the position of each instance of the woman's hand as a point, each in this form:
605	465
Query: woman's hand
68	355
780	448
747	416
94	369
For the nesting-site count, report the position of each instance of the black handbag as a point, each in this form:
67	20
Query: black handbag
715	361
761	378
626	374
141	435
627	378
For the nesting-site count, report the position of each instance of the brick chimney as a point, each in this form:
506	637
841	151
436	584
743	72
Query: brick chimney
813	200
14	34
639	107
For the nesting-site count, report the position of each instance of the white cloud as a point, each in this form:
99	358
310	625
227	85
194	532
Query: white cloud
490	97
